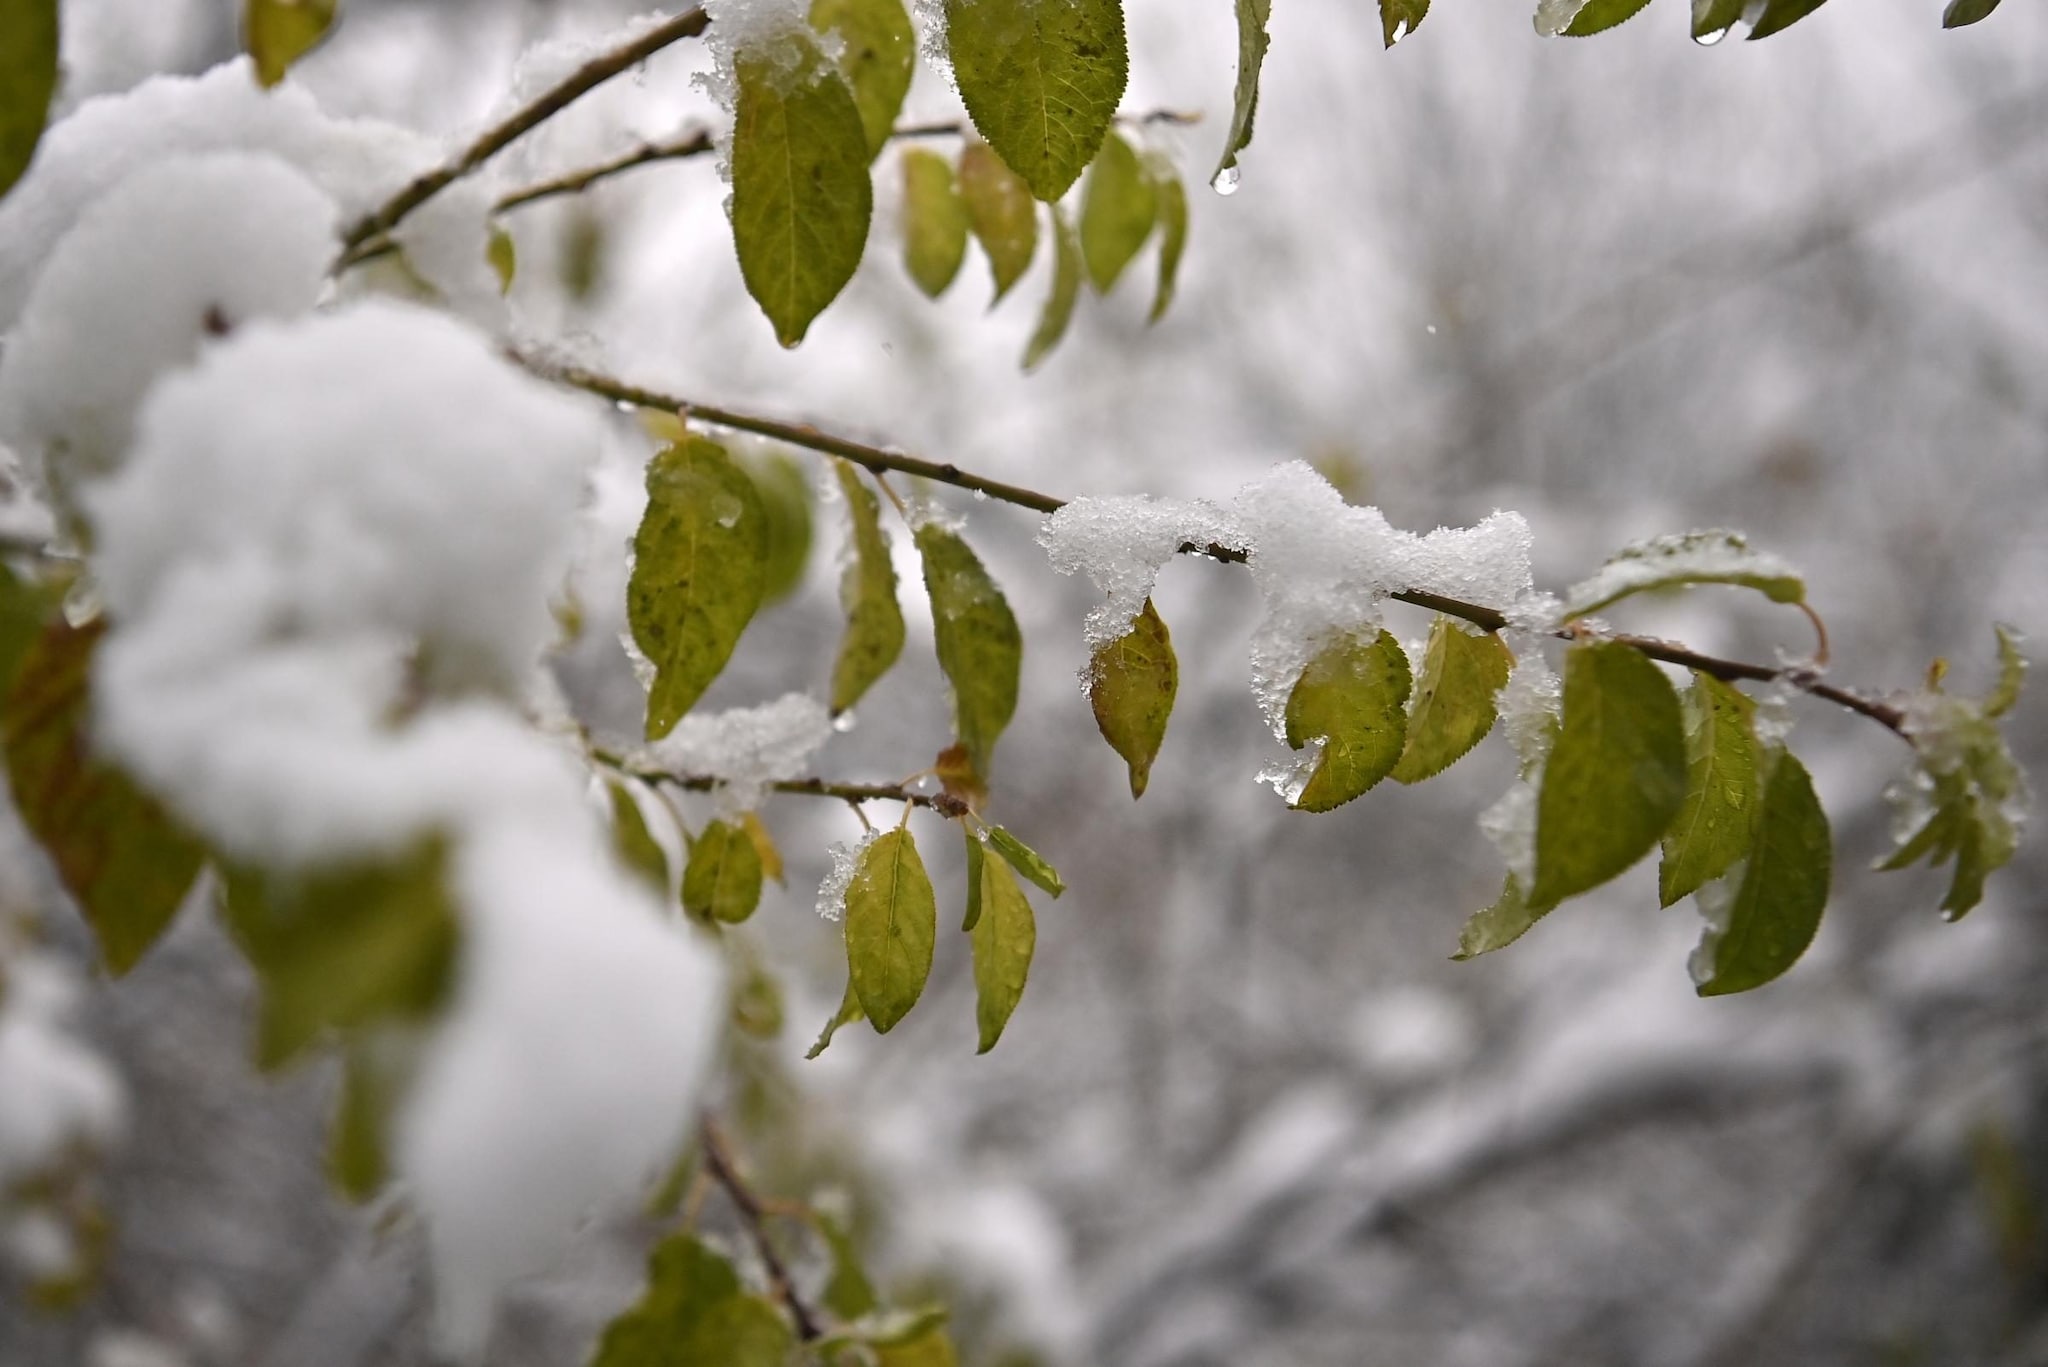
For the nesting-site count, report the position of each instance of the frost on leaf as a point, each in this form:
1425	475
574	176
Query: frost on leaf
744	750
1966	800
1665	562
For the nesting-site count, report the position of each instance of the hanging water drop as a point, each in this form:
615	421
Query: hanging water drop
1710	38
1225	181
844	722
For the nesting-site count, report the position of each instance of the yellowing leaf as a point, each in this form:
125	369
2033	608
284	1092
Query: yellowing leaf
1001	212
1041	79
279	32
633	842
979	646
722	881
695	1310
1004	936
1453	708
1252	41
877	56
1131	686
1173	233
1616	777
1066	288
801	198
934	221
1776	907
891	924
503	255
343	946
1119	206
764	846
1353	697
1026	860
28	78
699	563
1716	824
123	858
867	593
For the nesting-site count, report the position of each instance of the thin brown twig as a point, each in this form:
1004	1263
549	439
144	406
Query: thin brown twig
880	459
565	92
753	1214
801	787
697	142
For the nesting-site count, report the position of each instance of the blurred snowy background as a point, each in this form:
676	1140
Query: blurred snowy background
1248	1111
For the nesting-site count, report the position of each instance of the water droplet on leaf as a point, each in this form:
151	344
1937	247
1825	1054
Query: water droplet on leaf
1225	181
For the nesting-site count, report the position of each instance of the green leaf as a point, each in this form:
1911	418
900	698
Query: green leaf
1716	823
867	592
1001	212
1131	686
1399	18
2012	672
1669	562
1173	232
1353	697
695	1311
849	1011
1779	15
1582	18
1119	206
356	1155
1962	13
1003	938
784	484
722	881
1711	19
1026	860
503	255
700	560
1252	41
979	646
977	855
28	78
891	923
1499	925
1453	709
27	607
1616	777
635	844
279	32
800	192
1041	79
934	221
1066	288
343	946
124	859
878	56
1776	908
848	1294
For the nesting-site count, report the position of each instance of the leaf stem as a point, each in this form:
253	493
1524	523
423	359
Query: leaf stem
753	1214
498	136
879	459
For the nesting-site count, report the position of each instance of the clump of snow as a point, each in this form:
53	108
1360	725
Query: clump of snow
1323	566
1530	704
329	561
1716	902
195	246
931	29
744	748
845	859
774	33
57	1095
